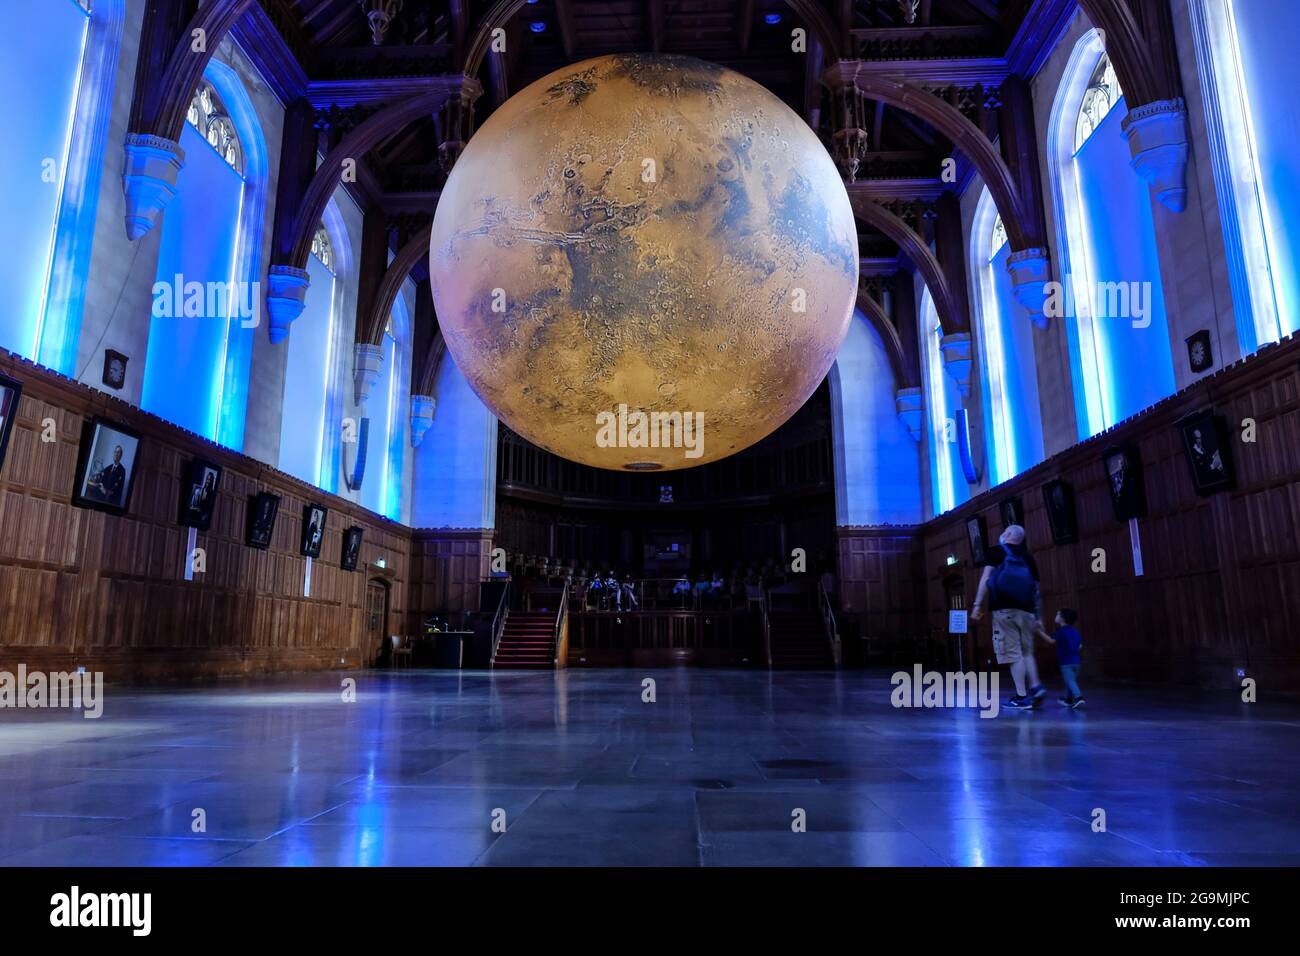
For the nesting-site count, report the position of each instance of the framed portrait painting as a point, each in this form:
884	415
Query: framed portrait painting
1205	442
313	530
1058	500
1128	496
106	466
262	509
199	485
1012	511
977	535
351	548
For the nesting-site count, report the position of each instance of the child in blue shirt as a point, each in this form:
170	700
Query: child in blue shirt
1068	643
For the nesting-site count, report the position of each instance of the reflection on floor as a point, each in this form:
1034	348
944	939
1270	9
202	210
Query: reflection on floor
580	770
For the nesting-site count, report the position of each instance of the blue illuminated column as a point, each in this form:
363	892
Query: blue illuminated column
1245	55
56	131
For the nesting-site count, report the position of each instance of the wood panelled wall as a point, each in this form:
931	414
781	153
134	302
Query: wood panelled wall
881	585
447	565
81	587
1221	583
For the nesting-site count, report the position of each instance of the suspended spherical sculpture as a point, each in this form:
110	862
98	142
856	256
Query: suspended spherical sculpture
644	262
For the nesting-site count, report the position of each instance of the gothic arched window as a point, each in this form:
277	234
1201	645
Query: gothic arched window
942	400
1102	94
207	114
311	404
207	302
1013	426
1111	298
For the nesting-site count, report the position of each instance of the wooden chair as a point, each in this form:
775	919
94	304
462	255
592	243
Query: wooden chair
401	650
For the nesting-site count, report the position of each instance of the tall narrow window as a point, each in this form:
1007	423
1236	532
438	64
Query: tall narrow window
305	410
381	490
1012	418
193	301
1248	70
1112	300
947	484
41	67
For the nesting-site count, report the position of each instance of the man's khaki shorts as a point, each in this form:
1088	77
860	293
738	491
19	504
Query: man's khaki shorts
1013	635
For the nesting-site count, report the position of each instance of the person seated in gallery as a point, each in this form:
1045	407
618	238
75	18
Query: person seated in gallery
627	596
595	592
611	591
682	591
701	590
716	589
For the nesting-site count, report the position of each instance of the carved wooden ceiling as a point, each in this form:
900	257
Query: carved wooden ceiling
926	41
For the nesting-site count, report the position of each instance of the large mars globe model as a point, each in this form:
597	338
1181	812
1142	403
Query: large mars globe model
644	262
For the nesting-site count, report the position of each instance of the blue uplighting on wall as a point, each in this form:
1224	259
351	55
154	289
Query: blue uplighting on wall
771	19
947	487
306	379
1022	446
186	360
36	116
1266	34
1134	357
200	346
877	468
537	26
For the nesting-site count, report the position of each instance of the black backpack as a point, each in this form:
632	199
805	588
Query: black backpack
1013	582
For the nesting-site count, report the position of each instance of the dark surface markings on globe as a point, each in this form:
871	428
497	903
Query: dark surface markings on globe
575	88
734	217
800	209
643	466
692	205
667	74
740	149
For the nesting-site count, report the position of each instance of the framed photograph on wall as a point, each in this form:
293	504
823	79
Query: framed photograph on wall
106	466
1205	440
313	530
1128	494
1012	511
199	484
977	535
114	375
10	391
1058	499
262	509
351	548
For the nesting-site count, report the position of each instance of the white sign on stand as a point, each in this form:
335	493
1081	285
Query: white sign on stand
191	542
957	622
1136	541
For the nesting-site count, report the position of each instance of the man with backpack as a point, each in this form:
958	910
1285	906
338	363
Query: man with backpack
1009	587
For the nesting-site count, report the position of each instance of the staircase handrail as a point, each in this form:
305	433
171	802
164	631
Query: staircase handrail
767	630
561	638
828	622
499	620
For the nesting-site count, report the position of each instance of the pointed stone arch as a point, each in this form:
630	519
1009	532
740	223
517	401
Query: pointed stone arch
415	249
904	374
915	248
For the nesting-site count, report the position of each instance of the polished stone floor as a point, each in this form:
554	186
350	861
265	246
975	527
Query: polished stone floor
427	767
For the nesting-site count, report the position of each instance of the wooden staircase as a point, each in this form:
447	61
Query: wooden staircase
799	641
527	641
